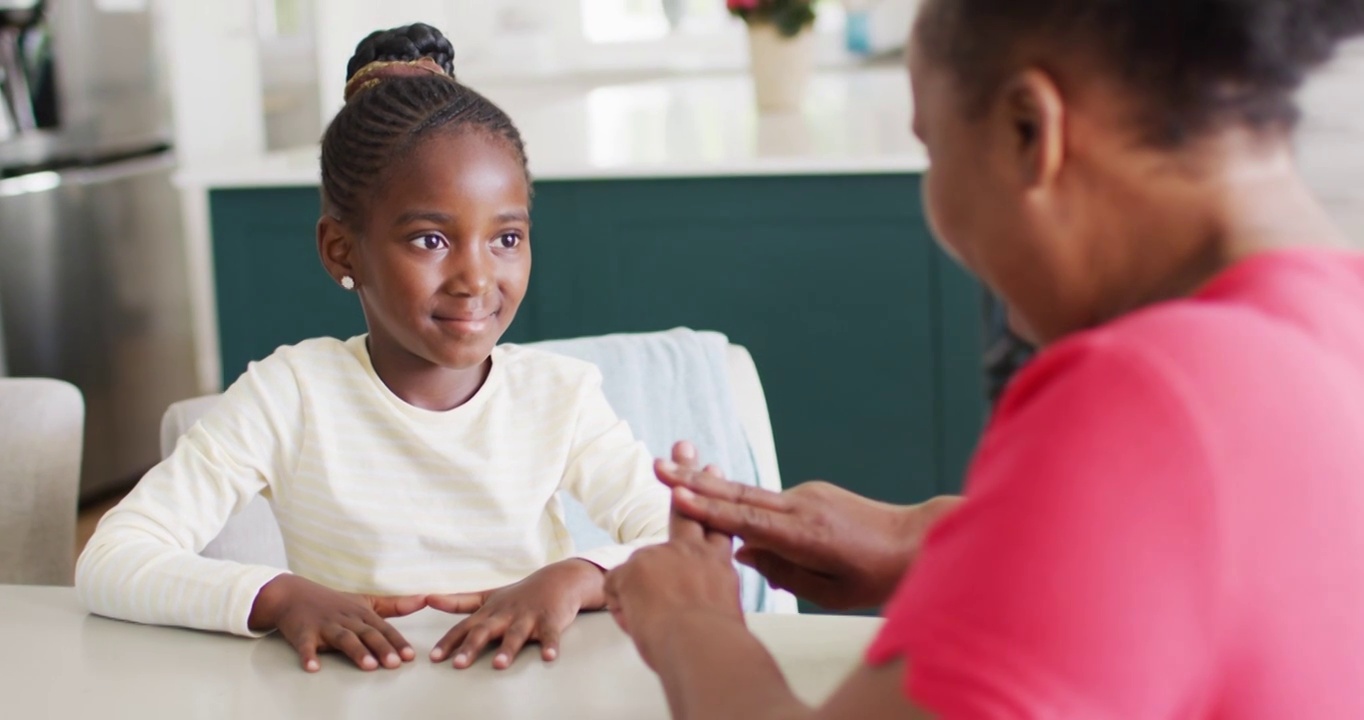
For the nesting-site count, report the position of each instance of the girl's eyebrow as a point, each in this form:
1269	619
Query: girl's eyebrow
441	218
433	216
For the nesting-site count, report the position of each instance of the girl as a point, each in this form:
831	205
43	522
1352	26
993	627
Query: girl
416	465
1165	517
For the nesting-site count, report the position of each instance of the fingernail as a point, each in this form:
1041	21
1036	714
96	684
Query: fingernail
461	659
684	494
369	663
408	653
501	660
393	659
551	654
436	655
312	666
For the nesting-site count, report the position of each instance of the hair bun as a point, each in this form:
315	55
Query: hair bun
404	44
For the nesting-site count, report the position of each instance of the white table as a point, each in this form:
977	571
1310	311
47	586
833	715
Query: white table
59	662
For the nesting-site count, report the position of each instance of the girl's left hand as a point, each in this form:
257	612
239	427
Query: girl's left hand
692	573
537	609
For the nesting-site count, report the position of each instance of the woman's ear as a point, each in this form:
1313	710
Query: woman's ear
1032	112
336	249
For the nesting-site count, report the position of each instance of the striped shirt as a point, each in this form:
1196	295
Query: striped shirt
372	494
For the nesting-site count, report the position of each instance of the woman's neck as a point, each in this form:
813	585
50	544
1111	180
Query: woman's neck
1201	223
419	382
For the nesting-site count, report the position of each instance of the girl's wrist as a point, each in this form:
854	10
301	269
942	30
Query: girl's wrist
589	582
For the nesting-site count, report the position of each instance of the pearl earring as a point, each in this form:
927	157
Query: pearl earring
347	282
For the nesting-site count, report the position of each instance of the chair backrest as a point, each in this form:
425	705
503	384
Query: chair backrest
42	430
253	536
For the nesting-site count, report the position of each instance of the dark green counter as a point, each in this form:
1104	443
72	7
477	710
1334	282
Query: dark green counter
866	336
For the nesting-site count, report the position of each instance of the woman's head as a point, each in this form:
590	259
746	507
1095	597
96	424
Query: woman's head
1066	135
426	200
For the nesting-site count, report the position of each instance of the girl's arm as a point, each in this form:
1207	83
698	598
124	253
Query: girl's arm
142	563
611	474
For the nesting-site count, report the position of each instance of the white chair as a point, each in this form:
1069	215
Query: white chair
253	536
42	431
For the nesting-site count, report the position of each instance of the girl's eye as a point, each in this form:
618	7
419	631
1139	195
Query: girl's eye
508	241
430	242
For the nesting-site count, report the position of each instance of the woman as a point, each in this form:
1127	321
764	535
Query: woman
1165	517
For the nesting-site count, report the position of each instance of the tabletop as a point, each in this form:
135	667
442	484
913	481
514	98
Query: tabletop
60	662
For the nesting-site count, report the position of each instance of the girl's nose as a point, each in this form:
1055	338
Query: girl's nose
470	270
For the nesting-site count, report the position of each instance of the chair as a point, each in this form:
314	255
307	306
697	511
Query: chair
42	425
253	536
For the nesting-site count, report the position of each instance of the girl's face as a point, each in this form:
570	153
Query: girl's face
444	256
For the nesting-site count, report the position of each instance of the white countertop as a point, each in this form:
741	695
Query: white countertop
852	122
63	663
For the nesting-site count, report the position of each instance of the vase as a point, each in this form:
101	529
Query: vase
676	12
781	66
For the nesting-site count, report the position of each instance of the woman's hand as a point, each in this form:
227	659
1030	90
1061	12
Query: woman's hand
691	575
314	619
537	609
819	541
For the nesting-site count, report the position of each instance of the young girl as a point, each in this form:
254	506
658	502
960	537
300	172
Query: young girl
419	464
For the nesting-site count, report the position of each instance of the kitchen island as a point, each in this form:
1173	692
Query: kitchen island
671	202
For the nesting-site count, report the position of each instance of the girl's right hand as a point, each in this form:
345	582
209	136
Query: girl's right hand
314	619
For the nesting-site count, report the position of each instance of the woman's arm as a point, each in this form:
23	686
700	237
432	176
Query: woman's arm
679	602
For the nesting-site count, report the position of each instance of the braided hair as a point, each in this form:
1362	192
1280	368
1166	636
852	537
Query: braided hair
1195	64
401	87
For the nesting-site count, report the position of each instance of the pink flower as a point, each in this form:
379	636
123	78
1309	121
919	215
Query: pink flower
739	5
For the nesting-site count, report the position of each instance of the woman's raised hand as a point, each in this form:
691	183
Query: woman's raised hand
821	542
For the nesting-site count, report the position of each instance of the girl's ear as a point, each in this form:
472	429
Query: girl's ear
336	248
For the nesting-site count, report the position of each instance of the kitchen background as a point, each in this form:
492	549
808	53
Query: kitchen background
158	175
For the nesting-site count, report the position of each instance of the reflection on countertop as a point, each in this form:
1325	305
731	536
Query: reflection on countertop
852	122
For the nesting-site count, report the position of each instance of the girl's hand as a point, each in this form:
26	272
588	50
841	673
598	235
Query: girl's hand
819	541
690	574
314	619
537	609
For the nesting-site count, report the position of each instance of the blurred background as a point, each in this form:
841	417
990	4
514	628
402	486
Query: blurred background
158	192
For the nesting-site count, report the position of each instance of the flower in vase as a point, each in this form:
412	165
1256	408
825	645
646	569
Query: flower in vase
790	17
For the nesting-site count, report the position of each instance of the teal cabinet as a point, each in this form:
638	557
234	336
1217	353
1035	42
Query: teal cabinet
867	337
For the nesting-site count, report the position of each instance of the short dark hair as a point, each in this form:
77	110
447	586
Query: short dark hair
383	120
1196	64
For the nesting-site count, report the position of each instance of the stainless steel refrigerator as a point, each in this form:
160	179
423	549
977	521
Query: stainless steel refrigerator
94	281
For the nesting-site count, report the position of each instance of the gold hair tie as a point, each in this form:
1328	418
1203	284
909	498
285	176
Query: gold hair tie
381	70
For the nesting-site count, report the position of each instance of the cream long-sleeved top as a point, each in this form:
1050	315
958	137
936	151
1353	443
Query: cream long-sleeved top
372	494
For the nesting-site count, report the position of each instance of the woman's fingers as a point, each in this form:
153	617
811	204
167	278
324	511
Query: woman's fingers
515	639
346	642
684	454
753	523
782	574
684	529
713	485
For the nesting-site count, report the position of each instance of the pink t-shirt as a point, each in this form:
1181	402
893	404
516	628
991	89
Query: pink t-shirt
1165	518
